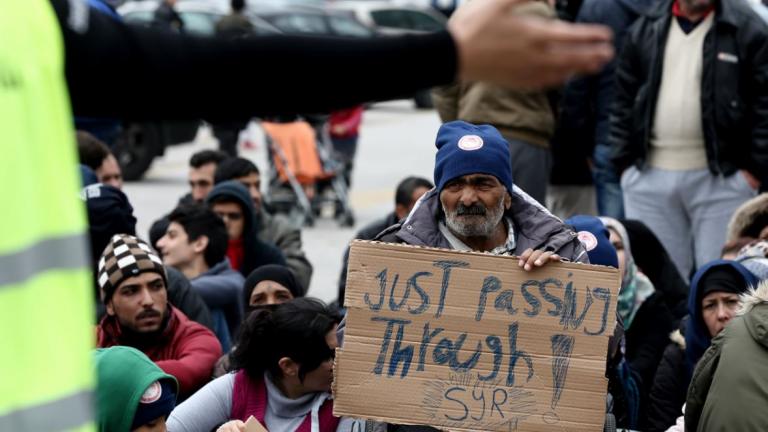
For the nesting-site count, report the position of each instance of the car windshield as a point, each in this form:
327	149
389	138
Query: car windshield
195	22
300	23
199	23
406	19
344	26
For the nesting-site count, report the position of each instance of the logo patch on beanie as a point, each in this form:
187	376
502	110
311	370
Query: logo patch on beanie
588	240
152	393
470	142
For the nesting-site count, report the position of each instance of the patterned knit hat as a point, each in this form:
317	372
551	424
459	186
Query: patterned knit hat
126	256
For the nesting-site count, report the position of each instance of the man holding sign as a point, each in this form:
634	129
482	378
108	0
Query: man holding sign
440	335
475	206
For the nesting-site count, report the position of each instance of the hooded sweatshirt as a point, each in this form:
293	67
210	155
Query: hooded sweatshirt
123	374
254	252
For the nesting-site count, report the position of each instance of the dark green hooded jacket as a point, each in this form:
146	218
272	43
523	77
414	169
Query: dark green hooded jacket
123	374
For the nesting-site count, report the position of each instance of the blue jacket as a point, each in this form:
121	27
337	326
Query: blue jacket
697	338
221	287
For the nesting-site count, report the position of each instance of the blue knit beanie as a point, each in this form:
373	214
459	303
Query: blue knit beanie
596	240
464	148
158	400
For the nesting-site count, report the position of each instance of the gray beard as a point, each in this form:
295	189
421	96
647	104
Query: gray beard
468	226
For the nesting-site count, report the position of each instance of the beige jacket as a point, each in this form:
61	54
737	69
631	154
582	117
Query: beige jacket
521	115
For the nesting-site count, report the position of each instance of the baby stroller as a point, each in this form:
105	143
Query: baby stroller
305	177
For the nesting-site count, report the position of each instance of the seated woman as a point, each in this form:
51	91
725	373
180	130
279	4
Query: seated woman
654	262
266	287
624	402
283	372
713	302
270	284
644	312
728	387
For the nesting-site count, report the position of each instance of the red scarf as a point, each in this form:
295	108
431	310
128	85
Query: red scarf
678	13
235	253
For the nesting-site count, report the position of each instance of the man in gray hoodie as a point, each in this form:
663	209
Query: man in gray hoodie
196	244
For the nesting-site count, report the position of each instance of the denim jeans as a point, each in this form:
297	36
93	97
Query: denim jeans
610	201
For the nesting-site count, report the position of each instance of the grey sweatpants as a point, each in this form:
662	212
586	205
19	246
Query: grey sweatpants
565	201
687	210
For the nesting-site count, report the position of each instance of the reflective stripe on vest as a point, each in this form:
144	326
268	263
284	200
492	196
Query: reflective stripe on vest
46	294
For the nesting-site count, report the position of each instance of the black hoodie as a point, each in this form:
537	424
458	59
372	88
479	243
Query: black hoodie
256	252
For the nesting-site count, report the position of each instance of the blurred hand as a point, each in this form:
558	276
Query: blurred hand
232	426
536	258
497	45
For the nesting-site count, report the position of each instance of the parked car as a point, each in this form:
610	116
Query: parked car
396	18
303	18
393	18
140	142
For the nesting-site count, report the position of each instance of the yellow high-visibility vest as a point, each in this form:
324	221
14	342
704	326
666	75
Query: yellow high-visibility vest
46	305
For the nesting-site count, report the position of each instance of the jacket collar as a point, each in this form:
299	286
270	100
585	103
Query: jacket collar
222	267
730	12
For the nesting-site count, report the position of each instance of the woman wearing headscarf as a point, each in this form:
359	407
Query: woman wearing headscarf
623	394
270	284
654	262
265	288
647	319
712	303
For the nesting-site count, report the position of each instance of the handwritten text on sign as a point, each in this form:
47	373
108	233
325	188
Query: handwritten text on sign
472	342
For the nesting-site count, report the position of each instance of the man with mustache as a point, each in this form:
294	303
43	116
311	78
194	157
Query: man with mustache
475	206
133	283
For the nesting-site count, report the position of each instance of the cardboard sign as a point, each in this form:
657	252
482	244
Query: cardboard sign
253	425
470	341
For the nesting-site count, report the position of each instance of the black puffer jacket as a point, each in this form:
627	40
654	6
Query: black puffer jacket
734	89
646	339
181	295
654	261
670	385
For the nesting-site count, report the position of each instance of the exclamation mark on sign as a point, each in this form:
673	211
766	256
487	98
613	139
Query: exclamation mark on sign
562	347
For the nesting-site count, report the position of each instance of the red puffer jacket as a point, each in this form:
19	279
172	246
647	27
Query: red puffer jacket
185	349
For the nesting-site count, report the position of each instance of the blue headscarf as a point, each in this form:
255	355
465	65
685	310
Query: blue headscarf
697	338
